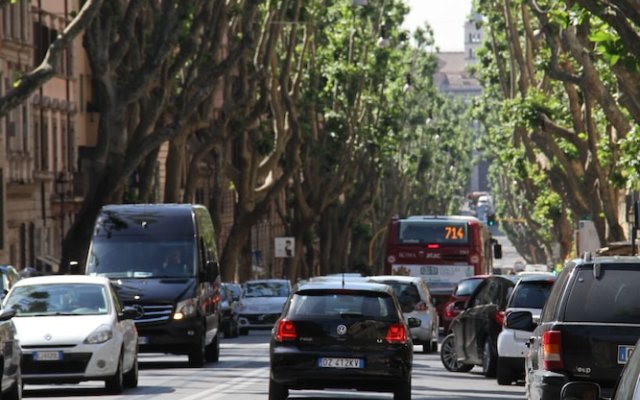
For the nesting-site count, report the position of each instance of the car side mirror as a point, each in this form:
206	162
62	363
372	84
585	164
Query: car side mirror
413	322
520	320
580	390
7	314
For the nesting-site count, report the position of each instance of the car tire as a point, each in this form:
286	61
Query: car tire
213	350
402	391
426	347
434	346
236	330
15	391
115	384
198	353
130	378
448	356
489	358
277	391
503	373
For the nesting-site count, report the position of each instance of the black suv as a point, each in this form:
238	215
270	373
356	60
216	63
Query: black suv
588	326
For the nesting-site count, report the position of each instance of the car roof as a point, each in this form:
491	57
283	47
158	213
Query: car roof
399	278
267	280
536	276
349	285
57	279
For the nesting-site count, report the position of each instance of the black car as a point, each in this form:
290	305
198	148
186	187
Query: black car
588	327
229	310
342	334
473	334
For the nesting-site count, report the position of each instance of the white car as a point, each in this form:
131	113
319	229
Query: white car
262	303
74	328
529	294
415	300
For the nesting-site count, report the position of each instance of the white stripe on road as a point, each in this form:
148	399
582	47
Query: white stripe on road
236	383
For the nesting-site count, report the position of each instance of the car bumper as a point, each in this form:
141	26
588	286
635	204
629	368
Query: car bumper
258	321
545	385
77	363
382	370
175	337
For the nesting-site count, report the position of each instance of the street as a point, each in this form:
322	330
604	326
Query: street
242	374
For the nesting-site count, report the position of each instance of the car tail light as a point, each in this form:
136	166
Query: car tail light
450	311
552	351
285	331
421	306
499	317
396	333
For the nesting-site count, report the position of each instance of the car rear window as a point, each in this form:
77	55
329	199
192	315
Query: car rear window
467	286
407	294
329	304
612	297
531	294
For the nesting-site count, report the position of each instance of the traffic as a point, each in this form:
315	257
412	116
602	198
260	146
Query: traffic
441	307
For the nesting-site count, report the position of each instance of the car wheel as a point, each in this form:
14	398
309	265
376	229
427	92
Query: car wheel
15	391
197	354
130	378
448	356
488	359
277	391
213	350
402	391
503	373
236	329
434	346
426	347
115	384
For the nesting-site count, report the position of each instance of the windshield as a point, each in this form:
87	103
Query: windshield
142	259
58	299
265	289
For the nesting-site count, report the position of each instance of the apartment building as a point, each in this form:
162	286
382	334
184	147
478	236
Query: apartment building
38	156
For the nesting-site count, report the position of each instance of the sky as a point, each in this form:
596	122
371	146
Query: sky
446	17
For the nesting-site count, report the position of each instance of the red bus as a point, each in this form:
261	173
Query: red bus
441	250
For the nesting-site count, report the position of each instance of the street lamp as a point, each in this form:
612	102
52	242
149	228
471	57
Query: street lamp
62	188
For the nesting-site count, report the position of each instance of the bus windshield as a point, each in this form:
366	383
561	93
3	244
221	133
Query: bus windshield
142	259
438	232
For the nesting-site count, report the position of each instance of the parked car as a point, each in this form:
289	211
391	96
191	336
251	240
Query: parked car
474	332
229	311
416	301
460	293
262	303
627	388
11	354
74	328
588	327
349	335
529	294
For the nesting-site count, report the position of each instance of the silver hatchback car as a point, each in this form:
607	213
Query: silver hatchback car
415	299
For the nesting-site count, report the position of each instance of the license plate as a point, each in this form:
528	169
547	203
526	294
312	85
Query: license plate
143	340
331	362
624	353
47	356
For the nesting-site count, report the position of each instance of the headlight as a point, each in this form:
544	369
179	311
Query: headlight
186	309
100	335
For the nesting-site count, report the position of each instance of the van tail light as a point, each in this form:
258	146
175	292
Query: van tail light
421	306
552	351
499	317
396	333
285	331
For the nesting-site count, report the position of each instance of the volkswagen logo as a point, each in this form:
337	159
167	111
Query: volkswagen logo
341	330
47	337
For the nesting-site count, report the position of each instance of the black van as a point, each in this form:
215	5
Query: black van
163	260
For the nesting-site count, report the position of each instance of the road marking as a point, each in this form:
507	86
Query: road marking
236	383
